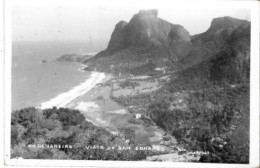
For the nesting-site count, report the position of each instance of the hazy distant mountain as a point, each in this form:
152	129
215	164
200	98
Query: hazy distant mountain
73	58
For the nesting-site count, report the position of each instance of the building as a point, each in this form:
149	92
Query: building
137	116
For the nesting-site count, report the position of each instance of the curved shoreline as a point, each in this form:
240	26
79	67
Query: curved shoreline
64	99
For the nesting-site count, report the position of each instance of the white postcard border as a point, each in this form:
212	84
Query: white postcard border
254	99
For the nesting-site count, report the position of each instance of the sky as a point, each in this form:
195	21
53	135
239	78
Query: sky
38	20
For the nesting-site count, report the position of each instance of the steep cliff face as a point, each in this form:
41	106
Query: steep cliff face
222	53
215	39
118	38
233	64
145	38
146	30
149	41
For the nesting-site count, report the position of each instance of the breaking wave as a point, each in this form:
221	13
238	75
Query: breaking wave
64	99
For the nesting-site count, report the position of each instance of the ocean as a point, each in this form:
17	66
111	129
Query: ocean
34	82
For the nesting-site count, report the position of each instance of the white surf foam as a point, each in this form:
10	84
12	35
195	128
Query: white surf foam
64	99
82	68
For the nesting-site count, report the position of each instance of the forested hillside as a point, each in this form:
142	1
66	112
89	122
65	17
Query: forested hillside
65	134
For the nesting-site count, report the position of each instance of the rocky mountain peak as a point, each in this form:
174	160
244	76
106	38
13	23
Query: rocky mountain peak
220	29
151	13
145	16
146	37
147	30
147	41
225	23
118	38
120	25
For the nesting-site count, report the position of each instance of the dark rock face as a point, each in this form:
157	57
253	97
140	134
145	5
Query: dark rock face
118	37
233	64
225	23
149	39
147	30
216	39
222	53
145	37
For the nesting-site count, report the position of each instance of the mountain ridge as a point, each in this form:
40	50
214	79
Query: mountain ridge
145	37
149	41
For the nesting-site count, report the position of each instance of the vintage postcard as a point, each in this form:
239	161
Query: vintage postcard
148	83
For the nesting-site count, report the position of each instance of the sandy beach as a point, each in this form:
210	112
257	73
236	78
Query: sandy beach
64	99
93	99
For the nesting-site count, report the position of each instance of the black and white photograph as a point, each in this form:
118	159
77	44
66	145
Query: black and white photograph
131	83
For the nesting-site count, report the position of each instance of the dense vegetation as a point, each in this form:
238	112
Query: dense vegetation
209	123
214	114
31	126
129	84
217	113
